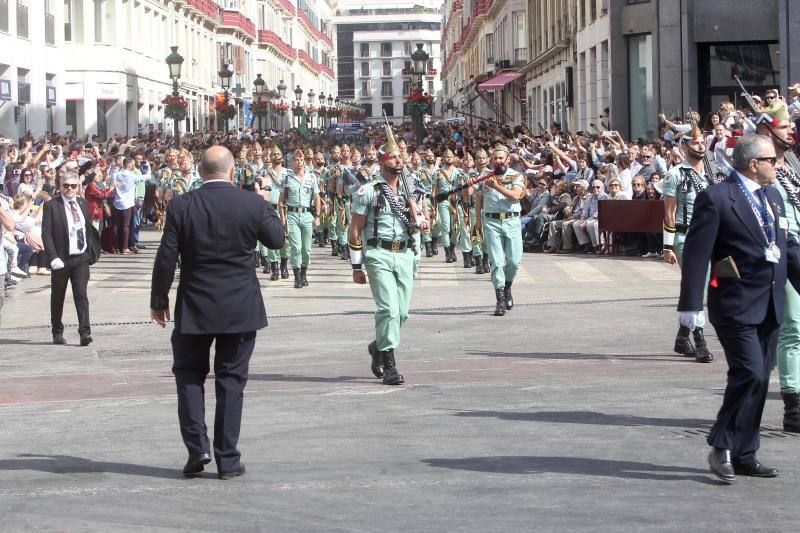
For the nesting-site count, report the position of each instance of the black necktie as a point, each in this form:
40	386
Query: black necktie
73	205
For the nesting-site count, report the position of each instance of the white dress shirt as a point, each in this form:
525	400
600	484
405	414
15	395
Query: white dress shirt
73	227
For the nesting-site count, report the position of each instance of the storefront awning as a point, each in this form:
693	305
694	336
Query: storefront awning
498	82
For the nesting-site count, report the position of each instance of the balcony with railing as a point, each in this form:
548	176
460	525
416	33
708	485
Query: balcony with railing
208	8
313	29
313	65
270	38
22	21
520	56
285	5
237	20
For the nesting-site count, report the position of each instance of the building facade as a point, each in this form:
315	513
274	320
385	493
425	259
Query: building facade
97	67
375	43
31	85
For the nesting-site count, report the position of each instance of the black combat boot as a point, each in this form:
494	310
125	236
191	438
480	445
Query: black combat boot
284	268
486	268
276	274
791	411
263	262
390	374
377	361
267	268
344	252
478	265
433	246
500	308
303	272
466	256
334	248
701	355
683	345
450	253
509	298
298	278
428	249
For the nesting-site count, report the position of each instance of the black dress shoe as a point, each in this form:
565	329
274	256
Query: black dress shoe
755	470
719	460
232	474
195	464
377	360
58	338
86	340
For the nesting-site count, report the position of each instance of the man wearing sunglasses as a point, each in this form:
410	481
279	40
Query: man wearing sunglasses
739	227
66	233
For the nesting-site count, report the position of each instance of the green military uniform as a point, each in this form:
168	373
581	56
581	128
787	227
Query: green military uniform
679	183
789	334
445	183
426	178
389	261
343	216
274	181
299	195
244	176
502	231
469	242
195	181
335	203
322	186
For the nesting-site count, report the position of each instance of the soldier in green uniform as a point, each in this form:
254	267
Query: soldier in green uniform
498	209
300	205
380	239
243	175
334	173
446	179
466	213
778	127
680	187
478	242
276	175
426	177
348	167
320	172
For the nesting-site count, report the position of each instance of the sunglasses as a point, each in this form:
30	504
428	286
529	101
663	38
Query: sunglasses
769	97
69	185
597	187
771	160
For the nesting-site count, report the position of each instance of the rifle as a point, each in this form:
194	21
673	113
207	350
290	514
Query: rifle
747	95
406	182
468	183
708	163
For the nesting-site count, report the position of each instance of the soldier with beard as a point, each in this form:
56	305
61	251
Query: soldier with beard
681	186
334	174
384	220
446	179
426	177
479	252
777	126
275	178
497	210
320	172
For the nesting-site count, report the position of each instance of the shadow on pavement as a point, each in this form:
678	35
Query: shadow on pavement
68	464
581	466
26	342
589	417
310	379
581	355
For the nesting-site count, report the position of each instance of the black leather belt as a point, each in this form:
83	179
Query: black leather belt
502	216
395	246
681	228
298	209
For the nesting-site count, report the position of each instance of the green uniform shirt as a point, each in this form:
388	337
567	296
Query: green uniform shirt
426	178
275	183
792	213
677	185
445	183
390	227
494	202
298	192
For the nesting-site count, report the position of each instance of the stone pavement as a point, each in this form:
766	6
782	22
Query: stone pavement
568	414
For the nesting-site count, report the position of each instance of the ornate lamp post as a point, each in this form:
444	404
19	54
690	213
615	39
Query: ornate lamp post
281	88
309	118
174	62
259	85
420	61
298	103
321	111
225	75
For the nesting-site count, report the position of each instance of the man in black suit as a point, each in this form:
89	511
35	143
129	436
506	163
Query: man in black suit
214	230
66	230
739	226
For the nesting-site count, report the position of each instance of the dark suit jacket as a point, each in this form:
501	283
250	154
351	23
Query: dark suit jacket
55	228
723	224
214	229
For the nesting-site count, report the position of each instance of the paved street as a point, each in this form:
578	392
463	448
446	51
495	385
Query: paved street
569	414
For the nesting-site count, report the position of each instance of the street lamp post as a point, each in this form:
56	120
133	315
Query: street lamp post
225	75
281	88
420	62
298	93
309	118
258	92
174	62
321	120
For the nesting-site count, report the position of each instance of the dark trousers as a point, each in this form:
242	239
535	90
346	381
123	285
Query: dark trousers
750	352
24	253
135	225
122	227
191	366
75	272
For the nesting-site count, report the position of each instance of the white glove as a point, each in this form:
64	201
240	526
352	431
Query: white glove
56	264
688	319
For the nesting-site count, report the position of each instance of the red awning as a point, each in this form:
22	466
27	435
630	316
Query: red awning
498	82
